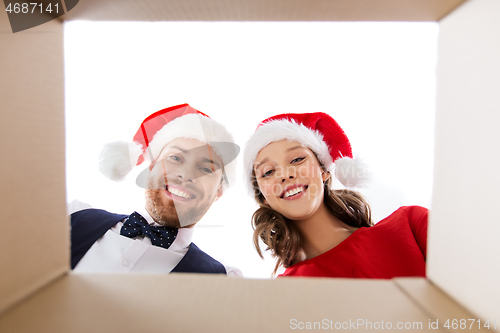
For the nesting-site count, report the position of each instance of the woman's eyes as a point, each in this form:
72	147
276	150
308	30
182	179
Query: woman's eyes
298	159
268	173
294	161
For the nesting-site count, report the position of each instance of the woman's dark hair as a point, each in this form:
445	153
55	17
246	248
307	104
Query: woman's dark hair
282	236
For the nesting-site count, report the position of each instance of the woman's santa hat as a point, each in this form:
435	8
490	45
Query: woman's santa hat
316	131
118	158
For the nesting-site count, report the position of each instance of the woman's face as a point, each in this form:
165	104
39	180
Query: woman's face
290	178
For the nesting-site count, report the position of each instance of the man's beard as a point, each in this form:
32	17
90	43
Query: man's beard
164	212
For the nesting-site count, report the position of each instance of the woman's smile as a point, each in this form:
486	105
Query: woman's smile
294	192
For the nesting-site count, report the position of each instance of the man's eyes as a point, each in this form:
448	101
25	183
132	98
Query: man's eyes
207	170
175	158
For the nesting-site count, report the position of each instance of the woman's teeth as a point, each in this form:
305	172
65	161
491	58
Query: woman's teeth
294	191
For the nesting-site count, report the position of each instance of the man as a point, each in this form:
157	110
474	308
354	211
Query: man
188	155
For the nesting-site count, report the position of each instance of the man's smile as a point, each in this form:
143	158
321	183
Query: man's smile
179	193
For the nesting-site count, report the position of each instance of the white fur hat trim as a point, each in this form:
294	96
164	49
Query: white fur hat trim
118	158
350	172
277	130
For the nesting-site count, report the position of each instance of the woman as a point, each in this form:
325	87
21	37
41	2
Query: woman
313	230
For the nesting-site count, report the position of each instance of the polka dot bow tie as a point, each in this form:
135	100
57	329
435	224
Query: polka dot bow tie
136	225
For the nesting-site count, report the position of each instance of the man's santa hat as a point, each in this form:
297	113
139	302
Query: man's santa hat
316	131
118	158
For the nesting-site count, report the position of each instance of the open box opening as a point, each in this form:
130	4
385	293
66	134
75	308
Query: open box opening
376	79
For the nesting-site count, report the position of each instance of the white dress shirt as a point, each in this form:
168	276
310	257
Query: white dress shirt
119	254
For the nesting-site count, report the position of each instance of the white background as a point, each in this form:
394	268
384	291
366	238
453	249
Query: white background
376	79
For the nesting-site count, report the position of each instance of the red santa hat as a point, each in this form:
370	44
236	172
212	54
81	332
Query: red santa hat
118	158
316	131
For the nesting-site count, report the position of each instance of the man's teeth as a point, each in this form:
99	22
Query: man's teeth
293	191
179	193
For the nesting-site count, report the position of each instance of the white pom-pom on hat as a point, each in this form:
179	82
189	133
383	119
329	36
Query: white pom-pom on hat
118	158
352	172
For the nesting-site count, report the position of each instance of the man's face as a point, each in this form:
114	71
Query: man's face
183	183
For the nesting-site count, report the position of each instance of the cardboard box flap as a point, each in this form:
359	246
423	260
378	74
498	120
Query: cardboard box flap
208	303
262	10
438	305
35	229
464	228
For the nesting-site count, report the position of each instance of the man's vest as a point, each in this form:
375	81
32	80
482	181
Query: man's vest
88	225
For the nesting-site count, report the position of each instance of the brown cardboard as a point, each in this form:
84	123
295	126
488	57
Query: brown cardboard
32	178
262	10
436	304
34	239
202	303
464	227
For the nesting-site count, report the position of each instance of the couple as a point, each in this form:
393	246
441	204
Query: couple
291	161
